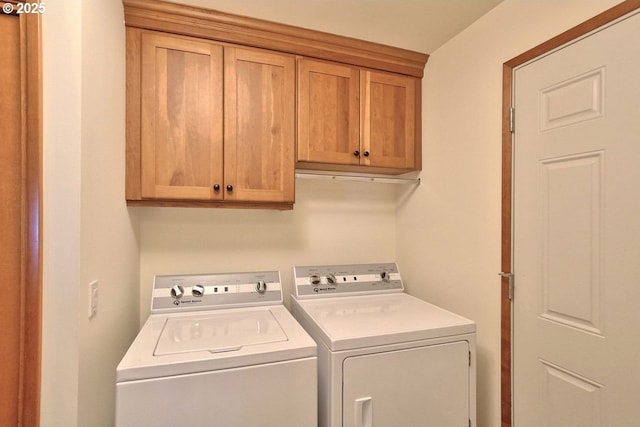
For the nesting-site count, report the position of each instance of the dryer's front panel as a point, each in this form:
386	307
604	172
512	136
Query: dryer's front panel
422	386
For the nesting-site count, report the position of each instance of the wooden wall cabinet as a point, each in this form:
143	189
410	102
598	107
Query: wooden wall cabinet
211	107
356	119
216	123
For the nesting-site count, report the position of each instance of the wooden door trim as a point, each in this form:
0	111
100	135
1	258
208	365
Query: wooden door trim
574	33
31	289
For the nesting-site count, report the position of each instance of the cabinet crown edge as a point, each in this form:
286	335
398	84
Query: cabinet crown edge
226	27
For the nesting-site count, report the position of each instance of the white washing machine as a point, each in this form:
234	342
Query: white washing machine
385	358
218	350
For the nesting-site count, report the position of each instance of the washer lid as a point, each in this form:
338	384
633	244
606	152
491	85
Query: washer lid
373	320
190	342
217	332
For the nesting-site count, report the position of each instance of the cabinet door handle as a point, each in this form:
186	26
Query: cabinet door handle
216	187
356	153
229	187
366	154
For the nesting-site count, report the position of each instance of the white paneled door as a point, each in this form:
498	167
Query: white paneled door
576	256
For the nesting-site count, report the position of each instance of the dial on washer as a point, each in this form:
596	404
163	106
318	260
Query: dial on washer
197	290
261	287
177	291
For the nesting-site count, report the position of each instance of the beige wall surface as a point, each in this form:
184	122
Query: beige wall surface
88	232
445	234
448	233
61	214
332	222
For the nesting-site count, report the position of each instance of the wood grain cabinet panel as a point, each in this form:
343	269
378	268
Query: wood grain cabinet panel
328	112
259	126
389	120
181	111
216	123
353	119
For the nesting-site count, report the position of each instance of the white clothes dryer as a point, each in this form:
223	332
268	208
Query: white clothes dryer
218	350
385	358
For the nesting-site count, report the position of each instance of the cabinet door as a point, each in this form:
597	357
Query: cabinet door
388	120
259	126
328	112
181	118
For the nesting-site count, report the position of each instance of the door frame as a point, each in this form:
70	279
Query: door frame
30	286
506	314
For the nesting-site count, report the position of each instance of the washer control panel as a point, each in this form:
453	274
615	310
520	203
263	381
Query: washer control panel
211	291
344	280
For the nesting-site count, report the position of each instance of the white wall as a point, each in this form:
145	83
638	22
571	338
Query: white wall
61	213
449	231
332	223
88	232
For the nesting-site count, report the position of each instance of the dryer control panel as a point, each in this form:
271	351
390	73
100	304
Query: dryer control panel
213	291
345	280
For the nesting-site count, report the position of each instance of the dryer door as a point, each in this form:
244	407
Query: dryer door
423	386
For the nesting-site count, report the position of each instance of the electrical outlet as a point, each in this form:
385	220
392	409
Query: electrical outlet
93	298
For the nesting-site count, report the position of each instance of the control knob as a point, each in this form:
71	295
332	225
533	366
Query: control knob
197	290
384	276
331	278
314	279
261	287
177	292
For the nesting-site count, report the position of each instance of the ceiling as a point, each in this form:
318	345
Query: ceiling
420	25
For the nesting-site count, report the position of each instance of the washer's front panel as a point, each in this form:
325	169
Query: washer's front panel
282	394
